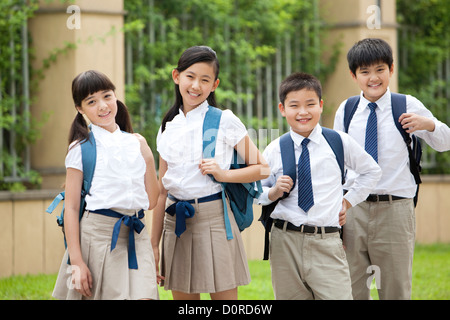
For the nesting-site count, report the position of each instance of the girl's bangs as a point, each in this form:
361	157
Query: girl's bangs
88	83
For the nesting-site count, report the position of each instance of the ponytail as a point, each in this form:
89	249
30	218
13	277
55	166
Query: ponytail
123	117
173	111
79	129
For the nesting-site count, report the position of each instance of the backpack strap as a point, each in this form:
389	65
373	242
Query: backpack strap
287	151
334	140
210	129
288	158
398	102
349	110
211	124
88	157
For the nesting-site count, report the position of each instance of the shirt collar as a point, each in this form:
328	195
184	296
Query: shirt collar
199	110
97	130
314	136
382	103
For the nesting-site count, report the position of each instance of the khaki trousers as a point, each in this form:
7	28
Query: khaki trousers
379	240
308	266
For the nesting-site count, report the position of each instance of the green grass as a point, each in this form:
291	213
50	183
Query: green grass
431	280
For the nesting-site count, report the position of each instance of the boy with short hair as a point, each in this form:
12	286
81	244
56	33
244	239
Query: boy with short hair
380	232
306	253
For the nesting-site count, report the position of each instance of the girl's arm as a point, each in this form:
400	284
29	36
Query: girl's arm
158	216
151	181
81	276
257	167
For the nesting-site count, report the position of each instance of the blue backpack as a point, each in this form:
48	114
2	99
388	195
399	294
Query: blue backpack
240	195
398	102
290	169
89	157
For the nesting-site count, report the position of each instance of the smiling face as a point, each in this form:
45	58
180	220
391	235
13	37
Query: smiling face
195	84
101	109
373	80
302	110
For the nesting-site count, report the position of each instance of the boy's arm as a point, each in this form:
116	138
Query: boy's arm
357	159
421	121
283	184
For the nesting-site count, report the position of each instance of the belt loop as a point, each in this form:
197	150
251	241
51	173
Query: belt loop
322	232
197	209
285	226
390	199
315	230
302	227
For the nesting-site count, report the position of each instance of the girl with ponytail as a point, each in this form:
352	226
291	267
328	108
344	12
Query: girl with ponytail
124	185
200	258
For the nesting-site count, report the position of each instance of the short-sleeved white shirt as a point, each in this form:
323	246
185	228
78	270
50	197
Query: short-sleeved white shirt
181	146
118	180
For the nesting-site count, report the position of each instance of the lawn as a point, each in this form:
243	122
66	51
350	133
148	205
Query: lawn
431	280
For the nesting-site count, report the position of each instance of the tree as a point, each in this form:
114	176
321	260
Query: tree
424	43
258	44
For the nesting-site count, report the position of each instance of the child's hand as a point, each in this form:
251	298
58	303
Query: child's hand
210	166
413	122
82	279
343	213
145	149
284	184
159	277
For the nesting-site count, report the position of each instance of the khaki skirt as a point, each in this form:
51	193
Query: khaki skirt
202	260
112	279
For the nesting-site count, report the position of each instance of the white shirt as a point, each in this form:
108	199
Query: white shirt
118	180
325	176
392	151
181	146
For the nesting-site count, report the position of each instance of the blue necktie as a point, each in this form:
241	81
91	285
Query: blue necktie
371	144
305	192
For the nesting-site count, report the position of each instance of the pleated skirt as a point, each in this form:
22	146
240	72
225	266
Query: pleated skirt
112	279
202	260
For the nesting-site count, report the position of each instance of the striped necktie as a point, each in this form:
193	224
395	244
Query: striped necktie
305	192
371	143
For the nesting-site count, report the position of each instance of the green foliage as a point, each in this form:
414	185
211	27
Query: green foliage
247	36
18	128
424	43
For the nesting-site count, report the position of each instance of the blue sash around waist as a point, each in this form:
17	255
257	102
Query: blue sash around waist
133	222
183	209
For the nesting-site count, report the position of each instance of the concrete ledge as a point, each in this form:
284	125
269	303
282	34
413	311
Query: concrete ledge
29	195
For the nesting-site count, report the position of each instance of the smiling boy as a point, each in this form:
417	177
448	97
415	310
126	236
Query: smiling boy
306	254
381	230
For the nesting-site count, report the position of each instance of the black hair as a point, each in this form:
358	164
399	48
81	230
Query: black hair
189	57
298	81
83	85
368	52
